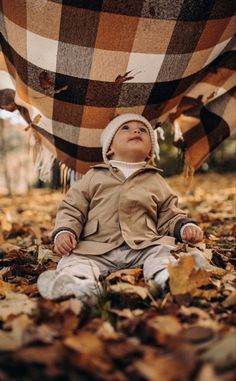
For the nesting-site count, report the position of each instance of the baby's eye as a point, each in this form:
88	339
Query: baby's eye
143	129
125	127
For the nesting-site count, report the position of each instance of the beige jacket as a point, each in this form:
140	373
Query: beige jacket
104	209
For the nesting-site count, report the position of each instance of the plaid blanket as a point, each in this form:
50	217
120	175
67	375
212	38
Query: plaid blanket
70	66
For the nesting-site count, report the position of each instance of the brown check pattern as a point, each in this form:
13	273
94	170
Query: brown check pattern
79	63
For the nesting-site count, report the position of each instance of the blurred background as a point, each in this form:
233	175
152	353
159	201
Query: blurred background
18	174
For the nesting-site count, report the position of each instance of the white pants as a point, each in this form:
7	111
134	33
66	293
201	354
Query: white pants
79	274
153	259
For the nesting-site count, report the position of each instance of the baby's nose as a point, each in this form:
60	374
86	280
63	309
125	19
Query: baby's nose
137	131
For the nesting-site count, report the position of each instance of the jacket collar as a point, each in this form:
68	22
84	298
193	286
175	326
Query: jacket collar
108	166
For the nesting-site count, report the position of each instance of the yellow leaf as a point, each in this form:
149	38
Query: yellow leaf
10	341
184	279
5	288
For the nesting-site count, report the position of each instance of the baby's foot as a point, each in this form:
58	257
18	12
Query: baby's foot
161	278
44	283
63	285
67	284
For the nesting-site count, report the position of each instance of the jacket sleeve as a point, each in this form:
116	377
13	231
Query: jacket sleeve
170	217
72	211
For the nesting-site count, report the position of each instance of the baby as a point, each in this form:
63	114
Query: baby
121	214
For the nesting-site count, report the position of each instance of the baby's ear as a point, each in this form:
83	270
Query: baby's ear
149	156
109	152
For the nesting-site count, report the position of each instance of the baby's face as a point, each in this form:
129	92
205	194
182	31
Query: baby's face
131	143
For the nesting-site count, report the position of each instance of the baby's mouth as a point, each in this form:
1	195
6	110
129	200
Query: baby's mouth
136	138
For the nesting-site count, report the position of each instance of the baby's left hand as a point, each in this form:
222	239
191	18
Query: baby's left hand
192	234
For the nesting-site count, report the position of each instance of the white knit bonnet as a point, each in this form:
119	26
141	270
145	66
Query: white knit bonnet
110	130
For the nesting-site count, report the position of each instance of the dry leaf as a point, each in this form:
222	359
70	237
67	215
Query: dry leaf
90	353
125	275
6	288
10	341
15	304
230	300
207	373
127	313
222	354
164	327
74	305
106	332
153	367
127	288
184	279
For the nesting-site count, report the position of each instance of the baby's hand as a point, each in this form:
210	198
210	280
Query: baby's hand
192	234
64	244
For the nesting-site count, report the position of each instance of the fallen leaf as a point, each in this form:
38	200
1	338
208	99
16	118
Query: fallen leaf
184	279
222	354
125	275
230	300
50	357
162	328
6	288
8	247
127	313
155	367
90	353
127	288
10	341
207	373
107	332
197	334
45	254
74	305
15	304
40	334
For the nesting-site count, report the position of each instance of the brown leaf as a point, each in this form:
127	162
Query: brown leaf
127	288
164	327
51	357
197	334
184	279
125	275
90	353
153	367
230	300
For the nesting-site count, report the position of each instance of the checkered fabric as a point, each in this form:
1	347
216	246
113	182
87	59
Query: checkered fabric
79	63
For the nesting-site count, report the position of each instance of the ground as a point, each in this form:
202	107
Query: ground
130	332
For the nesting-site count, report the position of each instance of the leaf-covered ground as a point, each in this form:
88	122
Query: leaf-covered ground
131	332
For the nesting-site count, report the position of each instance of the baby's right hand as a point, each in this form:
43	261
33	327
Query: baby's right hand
64	244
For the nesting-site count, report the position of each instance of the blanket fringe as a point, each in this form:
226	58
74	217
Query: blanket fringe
189	169
42	158
68	176
44	162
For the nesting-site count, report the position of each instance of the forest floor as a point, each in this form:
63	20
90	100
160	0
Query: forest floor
131	331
